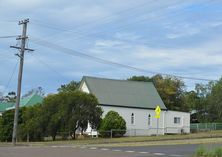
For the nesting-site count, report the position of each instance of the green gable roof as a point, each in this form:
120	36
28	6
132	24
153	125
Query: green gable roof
31	100
124	93
5	105
27	101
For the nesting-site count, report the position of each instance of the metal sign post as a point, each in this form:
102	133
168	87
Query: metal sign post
157	111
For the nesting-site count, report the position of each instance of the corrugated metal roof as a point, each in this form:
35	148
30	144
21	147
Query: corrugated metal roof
124	93
5	105
31	100
27	101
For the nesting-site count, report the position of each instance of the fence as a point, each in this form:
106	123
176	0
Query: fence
145	132
198	127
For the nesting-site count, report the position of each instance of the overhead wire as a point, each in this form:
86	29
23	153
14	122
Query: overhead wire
11	77
80	54
48	66
175	13
9	36
78	32
108	62
38	22
125	26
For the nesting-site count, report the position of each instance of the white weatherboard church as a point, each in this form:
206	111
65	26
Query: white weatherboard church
136	102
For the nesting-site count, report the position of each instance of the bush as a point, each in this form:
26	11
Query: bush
112	121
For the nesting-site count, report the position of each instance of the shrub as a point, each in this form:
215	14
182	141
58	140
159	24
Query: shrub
112	121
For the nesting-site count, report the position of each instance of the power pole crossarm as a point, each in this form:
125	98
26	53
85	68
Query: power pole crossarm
16	47
22	50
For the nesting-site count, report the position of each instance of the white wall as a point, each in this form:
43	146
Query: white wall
84	88
184	124
141	120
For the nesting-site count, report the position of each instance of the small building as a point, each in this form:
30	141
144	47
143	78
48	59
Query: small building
136	102
4	106
30	100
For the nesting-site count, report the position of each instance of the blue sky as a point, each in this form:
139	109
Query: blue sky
174	37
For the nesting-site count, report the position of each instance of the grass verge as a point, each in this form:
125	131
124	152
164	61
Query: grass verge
195	138
203	152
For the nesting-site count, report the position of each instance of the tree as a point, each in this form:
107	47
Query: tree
170	89
52	114
38	91
191	99
32	125
10	97
81	109
112	121
203	91
215	102
69	111
6	125
140	78
70	87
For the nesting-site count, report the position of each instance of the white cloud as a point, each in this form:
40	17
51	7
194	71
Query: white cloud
203	55
182	30
22	4
127	36
108	43
215	24
2	88
128	46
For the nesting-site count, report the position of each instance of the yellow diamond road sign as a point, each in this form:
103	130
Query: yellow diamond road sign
157	111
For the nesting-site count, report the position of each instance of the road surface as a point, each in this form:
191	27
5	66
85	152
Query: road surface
88	151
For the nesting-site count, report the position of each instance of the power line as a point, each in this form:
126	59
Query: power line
10	78
48	66
38	22
10	36
108	62
78	32
123	26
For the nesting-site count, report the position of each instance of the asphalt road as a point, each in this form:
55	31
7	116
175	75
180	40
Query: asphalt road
87	151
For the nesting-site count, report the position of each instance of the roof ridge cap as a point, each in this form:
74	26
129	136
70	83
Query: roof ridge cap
99	78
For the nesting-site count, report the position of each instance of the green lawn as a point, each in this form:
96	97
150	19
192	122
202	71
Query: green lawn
204	137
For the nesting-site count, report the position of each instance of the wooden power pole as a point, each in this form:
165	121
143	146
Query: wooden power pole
22	50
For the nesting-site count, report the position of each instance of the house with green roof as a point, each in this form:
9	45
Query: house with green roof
136	103
4	106
30	100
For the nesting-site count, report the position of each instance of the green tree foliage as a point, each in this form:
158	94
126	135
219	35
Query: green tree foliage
206	101
6	125
32	125
38	91
200	99
10	97
170	89
70	87
112	121
52	114
69	111
215	102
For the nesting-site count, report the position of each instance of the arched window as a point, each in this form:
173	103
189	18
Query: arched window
132	118
149	120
